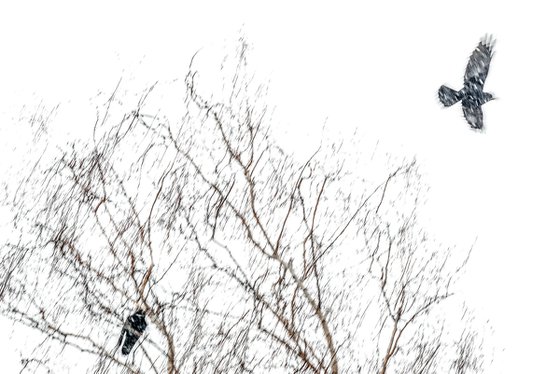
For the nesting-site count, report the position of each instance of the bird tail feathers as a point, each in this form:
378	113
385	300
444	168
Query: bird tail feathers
448	96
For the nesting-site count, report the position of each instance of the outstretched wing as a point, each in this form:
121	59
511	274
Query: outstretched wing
479	62
474	117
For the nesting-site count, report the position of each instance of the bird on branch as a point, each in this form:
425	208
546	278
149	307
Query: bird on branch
132	330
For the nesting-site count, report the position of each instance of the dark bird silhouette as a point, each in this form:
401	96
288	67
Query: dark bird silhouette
472	95
132	330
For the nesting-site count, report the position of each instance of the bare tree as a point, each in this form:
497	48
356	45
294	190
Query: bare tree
243	259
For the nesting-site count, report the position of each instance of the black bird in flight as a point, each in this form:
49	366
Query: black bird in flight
472	95
132	330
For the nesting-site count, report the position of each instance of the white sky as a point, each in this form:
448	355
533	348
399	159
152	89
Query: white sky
369	69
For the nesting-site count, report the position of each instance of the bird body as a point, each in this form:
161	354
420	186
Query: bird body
133	328
472	95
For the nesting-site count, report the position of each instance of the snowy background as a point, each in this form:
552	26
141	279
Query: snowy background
363	72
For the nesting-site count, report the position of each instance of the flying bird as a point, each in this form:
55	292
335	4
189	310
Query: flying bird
472	95
132	330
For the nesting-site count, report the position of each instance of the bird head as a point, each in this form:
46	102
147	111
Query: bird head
488	97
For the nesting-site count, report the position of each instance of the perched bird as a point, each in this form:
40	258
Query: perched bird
472	95
132	330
